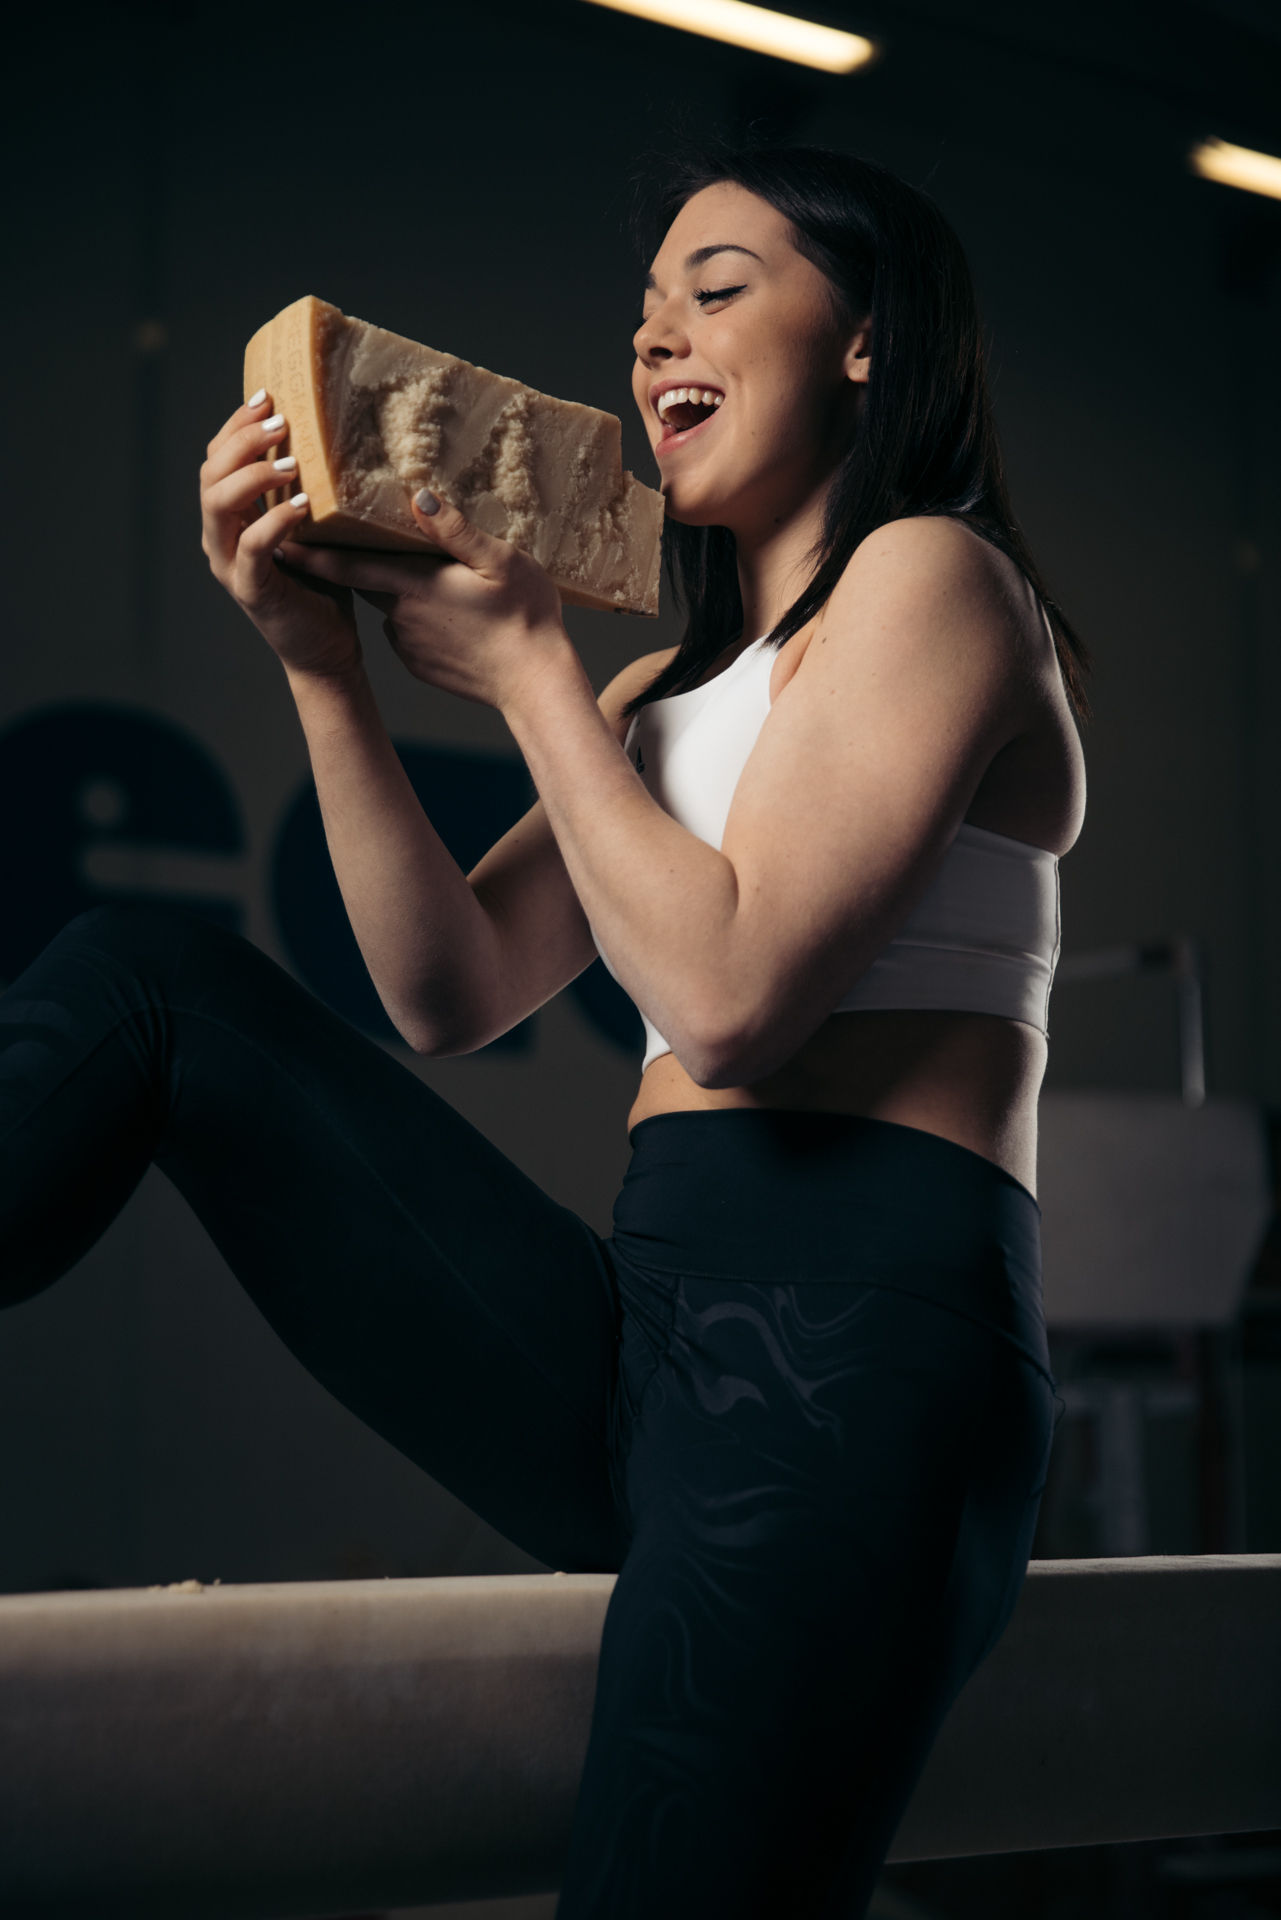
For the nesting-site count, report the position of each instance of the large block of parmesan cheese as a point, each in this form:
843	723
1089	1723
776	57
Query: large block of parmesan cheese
373	417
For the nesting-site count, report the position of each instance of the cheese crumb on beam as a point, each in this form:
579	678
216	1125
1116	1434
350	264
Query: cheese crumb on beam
373	417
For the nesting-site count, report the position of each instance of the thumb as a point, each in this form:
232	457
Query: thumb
454	533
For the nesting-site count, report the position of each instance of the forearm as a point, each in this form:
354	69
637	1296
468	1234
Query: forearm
429	945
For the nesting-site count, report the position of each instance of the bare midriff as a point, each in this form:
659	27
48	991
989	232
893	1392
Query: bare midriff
972	1078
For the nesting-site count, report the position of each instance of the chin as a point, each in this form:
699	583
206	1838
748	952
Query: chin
693	506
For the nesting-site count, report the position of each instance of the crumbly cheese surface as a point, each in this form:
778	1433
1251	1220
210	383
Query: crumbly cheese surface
545	474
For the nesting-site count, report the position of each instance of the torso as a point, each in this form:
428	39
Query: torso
970	1078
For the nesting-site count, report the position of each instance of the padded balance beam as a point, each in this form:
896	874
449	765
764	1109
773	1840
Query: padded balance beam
343	1746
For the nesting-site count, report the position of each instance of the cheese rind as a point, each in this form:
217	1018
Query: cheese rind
373	417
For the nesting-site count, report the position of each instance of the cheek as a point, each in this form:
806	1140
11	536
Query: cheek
770	412
790	405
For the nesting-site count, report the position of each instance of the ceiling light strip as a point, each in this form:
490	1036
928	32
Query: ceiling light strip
757	28
1237	167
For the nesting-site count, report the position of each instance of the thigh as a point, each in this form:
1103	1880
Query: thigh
408	1264
832	1490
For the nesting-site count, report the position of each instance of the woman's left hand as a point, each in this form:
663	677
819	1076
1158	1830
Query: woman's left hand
480	621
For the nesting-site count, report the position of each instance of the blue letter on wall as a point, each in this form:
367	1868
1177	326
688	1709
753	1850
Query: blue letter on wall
89	775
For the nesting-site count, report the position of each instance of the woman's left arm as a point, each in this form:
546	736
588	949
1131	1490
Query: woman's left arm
864	770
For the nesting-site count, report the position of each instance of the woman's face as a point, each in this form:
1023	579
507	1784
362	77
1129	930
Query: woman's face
748	386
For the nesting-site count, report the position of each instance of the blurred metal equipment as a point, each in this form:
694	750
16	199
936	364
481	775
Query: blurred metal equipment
1152	1211
1120	1411
1178	958
357	1745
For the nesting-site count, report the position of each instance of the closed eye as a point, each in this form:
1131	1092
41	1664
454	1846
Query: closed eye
706	295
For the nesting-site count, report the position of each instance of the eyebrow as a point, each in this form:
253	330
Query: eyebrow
700	254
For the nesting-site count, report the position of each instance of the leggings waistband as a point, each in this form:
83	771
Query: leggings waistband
752	1194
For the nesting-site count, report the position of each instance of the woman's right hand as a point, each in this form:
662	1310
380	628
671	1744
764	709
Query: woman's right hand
310	623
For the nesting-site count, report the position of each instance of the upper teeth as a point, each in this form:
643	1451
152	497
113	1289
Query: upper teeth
687	396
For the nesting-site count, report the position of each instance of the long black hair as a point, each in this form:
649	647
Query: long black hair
926	440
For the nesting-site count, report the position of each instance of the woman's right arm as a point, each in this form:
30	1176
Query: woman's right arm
433	946
455	964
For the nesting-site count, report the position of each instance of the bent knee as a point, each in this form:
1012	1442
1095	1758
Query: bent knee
134	929
152	945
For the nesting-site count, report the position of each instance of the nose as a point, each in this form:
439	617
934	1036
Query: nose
659	338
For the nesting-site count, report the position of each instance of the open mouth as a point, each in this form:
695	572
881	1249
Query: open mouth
681	409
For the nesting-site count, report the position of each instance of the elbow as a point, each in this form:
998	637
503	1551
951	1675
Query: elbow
425	1037
424	1041
716	1068
442	1018
718	1052
735	1039
434	1033
715	1071
436	1040
429	1043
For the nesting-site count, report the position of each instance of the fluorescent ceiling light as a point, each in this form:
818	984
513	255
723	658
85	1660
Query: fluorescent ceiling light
1238	167
757	28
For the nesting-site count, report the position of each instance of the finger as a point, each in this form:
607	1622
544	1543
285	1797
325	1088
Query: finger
388	573
257	408
241	488
257	546
484	553
225	506
253	441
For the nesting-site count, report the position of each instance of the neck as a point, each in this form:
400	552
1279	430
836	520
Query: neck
775	563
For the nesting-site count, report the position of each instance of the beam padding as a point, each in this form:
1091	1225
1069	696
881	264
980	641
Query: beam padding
342	1746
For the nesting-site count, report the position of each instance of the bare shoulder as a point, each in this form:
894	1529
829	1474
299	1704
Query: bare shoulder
934	544
633	680
949	628
934	581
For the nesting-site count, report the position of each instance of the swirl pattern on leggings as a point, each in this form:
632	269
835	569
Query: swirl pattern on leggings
831	1489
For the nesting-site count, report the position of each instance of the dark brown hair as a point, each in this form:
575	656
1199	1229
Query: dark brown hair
926	441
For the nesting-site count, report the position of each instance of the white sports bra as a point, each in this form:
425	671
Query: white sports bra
984	937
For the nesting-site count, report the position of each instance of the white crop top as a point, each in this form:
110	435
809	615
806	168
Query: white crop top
984	937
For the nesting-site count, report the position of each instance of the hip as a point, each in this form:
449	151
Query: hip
766	1196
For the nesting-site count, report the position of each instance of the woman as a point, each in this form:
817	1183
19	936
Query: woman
800	1399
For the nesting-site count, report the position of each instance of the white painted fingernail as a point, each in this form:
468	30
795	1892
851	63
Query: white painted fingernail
299	500
426	502
286	465
258	398
276	420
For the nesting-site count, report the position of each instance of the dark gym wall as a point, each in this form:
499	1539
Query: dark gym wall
463	177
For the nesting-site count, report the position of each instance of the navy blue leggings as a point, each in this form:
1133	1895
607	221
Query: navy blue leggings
800	1399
